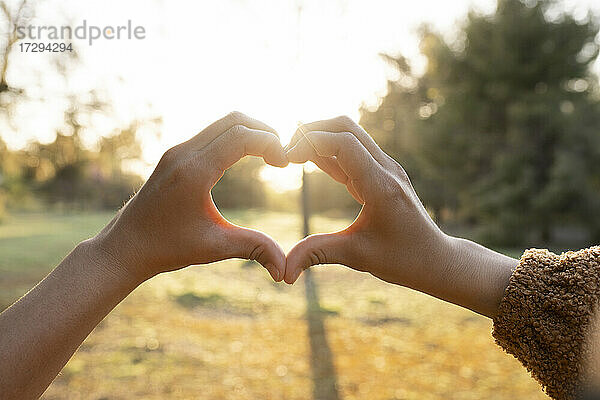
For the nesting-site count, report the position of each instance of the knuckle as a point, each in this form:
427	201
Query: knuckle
345	120
237	131
169	157
236	117
390	188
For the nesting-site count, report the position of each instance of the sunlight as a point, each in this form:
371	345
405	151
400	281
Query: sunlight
282	179
279	62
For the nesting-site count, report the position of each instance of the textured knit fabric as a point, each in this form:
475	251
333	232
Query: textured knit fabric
545	315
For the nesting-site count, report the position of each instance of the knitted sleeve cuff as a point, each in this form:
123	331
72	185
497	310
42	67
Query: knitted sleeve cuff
545	313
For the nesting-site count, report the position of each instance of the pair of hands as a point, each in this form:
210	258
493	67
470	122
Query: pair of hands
172	221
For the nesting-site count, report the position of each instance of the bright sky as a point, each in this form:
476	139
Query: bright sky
278	61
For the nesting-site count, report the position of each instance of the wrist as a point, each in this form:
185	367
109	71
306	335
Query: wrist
110	263
480	275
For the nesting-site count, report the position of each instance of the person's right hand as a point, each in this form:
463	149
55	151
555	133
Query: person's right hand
172	221
393	237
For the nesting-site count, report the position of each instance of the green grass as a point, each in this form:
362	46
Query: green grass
226	331
191	300
39	241
32	244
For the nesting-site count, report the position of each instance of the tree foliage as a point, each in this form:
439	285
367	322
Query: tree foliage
68	174
502	129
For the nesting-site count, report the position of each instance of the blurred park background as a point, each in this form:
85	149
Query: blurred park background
493	108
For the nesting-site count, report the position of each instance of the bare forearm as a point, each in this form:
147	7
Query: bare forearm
470	275
40	332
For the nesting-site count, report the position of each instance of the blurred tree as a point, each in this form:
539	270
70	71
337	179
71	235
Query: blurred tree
330	197
79	177
63	172
12	14
3	156
503	125
13	176
67	173
240	186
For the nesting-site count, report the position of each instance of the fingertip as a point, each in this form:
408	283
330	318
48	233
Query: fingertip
294	156
292	269
280	263
274	272
254	245
275	155
290	278
279	160
276	267
293	266
296	275
284	161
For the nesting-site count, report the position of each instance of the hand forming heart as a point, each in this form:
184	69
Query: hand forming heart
172	221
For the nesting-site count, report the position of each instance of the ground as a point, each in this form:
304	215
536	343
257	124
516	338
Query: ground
226	331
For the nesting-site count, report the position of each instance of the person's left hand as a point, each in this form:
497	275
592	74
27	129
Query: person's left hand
393	237
173	222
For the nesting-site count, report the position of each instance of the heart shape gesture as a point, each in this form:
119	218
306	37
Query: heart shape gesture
385	238
393	237
172	221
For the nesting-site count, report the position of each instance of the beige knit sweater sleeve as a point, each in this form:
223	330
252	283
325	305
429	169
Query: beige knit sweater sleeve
545	315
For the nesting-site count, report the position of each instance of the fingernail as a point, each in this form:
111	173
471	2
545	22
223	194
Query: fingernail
274	271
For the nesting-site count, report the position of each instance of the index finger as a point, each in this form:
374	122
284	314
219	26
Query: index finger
239	141
342	124
214	130
353	158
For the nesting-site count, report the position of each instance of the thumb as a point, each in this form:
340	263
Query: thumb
325	248
254	245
